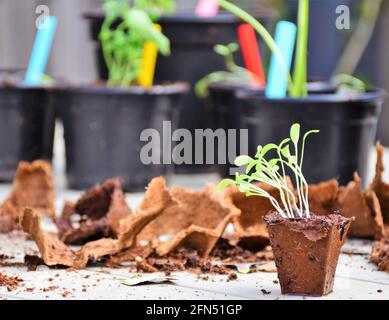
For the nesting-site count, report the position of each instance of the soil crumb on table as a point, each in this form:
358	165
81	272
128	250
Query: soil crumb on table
10	282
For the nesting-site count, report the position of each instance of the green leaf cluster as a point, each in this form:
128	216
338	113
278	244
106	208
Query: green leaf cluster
234	74
297	85
272	171
125	30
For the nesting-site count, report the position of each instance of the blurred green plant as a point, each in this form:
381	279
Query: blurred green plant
297	85
235	74
368	16
348	84
125	30
156	8
349	61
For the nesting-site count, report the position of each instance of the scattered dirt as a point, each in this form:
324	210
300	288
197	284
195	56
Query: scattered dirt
221	260
380	254
49	289
5	263
32	262
265	291
10	282
236	254
232	276
11	264
66	294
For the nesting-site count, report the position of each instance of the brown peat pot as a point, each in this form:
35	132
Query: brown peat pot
306	251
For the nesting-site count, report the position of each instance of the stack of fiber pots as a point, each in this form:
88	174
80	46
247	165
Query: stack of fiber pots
192	41
27	119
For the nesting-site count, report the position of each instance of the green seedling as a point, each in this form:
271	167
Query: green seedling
268	39
348	84
125	30
272	172
234	75
156	8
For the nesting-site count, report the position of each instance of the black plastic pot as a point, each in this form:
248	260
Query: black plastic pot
224	108
27	120
102	128
347	129
192	57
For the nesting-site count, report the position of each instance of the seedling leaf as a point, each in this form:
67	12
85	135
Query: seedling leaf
123	42
224	184
295	133
250	166
267	148
285	152
242	160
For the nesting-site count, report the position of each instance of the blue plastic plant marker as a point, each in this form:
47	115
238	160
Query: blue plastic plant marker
41	51
285	38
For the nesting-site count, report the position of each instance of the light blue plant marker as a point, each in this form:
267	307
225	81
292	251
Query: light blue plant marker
285	37
41	51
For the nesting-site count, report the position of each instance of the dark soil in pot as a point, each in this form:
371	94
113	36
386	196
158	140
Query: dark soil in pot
27	120
347	127
192	57
102	128
306	251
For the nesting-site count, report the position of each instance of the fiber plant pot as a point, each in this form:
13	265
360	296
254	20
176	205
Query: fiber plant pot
102	129
192	57
347	127
306	251
27	120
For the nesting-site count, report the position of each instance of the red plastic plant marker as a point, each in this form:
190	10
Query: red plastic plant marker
251	54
